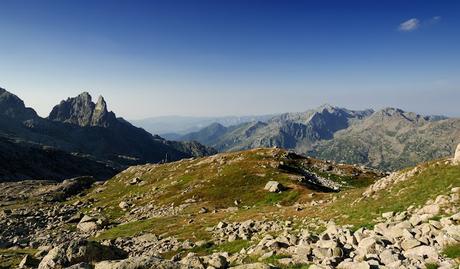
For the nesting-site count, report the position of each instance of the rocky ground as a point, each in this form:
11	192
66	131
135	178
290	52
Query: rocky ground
81	223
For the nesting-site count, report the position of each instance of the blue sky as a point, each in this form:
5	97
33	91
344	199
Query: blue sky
151	58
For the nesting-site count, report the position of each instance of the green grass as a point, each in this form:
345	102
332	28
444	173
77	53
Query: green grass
274	260
11	258
288	197
233	247
452	251
431	182
295	266
128	229
230	247
431	266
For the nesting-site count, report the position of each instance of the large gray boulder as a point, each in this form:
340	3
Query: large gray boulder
79	251
273	186
457	155
137	263
87	224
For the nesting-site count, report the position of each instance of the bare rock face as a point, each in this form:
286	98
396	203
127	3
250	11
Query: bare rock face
79	251
457	155
13	107
81	110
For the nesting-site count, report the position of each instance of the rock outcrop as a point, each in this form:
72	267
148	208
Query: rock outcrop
79	251
13	107
82	111
456	159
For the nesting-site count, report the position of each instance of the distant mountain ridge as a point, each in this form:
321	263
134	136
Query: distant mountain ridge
80	127
289	130
175	126
387	139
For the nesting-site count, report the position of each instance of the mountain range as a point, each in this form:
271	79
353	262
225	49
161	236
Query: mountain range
79	137
172	127
387	139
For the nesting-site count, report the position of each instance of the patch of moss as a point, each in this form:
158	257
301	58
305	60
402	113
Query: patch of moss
431	266
452	251
432	181
11	258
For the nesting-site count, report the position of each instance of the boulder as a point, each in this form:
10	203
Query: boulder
353	265
87	224
70	187
218	261
456	159
410	243
137	263
123	205
192	261
423	251
28	262
387	257
273	186
78	251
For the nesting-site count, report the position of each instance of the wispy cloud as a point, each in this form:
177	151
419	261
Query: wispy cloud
409	25
434	20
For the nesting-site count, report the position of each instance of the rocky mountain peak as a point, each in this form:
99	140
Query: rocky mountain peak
101	105
13	107
391	113
326	107
81	110
84	96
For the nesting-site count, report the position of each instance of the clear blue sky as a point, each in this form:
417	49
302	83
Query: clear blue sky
151	58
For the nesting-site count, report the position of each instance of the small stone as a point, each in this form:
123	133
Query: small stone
410	243
203	210
123	205
388	215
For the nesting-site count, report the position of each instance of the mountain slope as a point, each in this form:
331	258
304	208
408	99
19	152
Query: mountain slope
386	139
297	131
80	126
13	107
392	139
22	161
217	210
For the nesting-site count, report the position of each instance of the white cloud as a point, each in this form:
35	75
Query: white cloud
434	20
409	25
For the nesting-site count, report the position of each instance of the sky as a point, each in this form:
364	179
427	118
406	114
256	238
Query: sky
214	58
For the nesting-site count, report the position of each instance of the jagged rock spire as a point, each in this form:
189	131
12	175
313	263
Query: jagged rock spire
81	110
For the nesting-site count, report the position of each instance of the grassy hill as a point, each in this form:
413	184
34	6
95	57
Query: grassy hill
187	199
216	182
229	182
